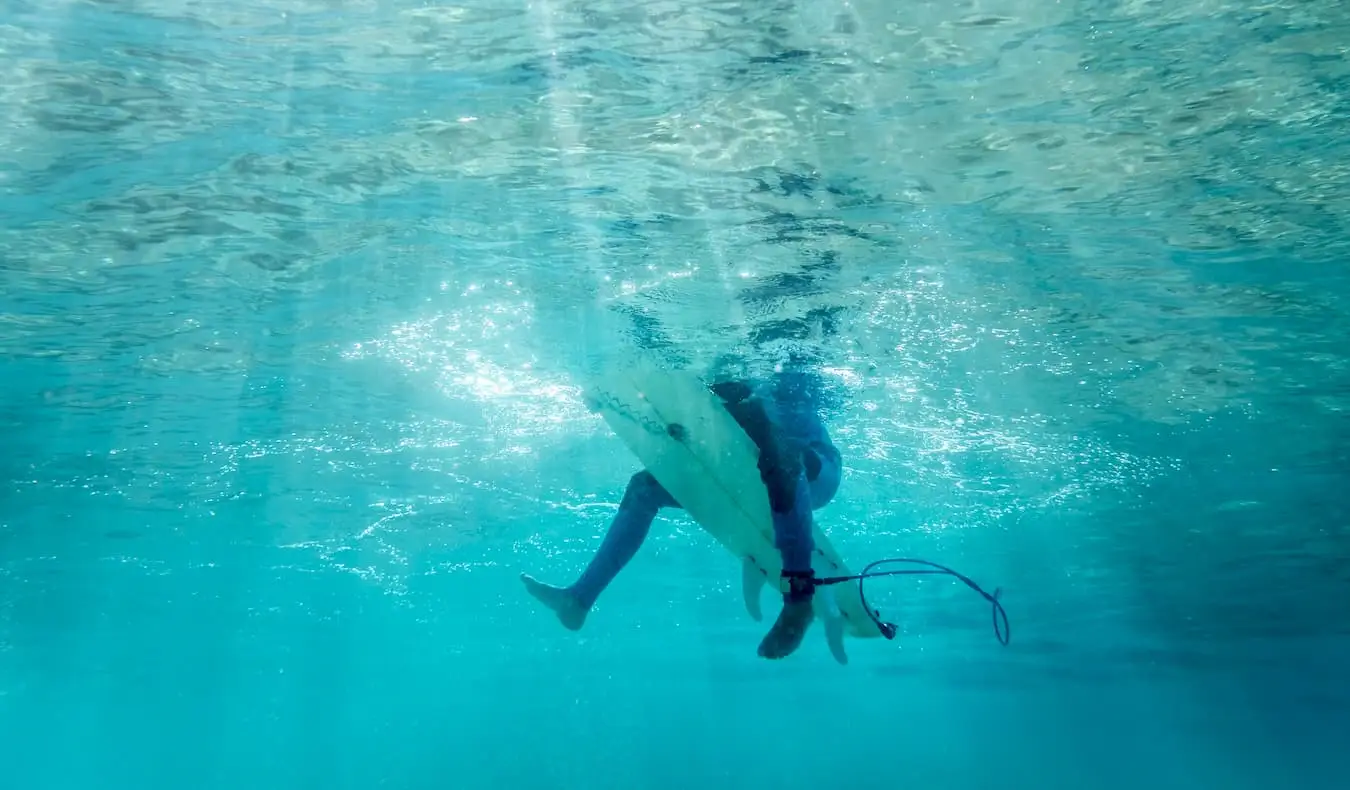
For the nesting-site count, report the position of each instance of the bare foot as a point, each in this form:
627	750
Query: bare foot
788	631
568	609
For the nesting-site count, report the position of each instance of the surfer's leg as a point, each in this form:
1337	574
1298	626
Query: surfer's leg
782	467
792	537
641	502
643	498
780	464
792	530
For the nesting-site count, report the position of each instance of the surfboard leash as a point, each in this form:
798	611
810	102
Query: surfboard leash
1002	631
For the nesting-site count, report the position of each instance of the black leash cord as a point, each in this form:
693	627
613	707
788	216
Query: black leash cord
1002	631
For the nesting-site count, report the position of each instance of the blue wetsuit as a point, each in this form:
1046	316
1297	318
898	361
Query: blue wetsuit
790	405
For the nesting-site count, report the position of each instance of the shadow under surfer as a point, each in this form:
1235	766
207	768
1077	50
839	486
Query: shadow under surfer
800	467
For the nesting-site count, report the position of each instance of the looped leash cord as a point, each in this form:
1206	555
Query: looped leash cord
1002	631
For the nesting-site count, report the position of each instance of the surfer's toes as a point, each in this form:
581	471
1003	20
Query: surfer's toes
568	609
788	631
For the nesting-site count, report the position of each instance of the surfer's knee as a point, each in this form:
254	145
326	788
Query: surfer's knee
641	485
645	492
732	391
754	419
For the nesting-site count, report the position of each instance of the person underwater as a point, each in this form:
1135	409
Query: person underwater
800	467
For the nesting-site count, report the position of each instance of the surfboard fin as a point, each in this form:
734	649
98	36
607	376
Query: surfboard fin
828	611
752	582
834	637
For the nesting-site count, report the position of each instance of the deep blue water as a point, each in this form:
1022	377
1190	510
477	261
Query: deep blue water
298	300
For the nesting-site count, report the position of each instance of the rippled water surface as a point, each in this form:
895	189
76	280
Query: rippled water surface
297	301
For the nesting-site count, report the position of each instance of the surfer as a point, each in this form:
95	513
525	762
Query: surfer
800	467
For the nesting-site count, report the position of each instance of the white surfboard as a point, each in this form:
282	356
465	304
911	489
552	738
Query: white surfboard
685	437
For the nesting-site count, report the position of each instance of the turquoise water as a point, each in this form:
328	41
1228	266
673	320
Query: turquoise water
298	300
